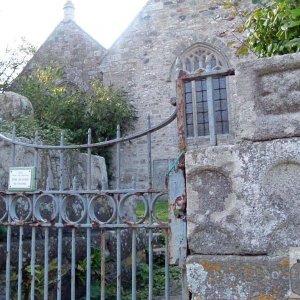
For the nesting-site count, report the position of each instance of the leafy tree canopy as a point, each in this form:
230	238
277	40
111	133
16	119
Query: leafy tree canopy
274	27
59	105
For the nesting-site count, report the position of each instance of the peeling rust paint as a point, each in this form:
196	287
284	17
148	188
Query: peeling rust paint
181	115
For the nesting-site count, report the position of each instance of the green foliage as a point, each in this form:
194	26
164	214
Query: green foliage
274	28
3	232
13	61
161	210
142	277
110	282
59	105
95	266
39	279
27	126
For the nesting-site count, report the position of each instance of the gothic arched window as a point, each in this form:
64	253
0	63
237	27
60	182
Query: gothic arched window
197	63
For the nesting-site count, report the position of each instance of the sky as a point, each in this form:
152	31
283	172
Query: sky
104	20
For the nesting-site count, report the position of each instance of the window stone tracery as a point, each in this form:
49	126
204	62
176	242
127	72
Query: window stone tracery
195	60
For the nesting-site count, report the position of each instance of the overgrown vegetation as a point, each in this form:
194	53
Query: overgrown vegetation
39	279
61	106
3	232
142	278
272	28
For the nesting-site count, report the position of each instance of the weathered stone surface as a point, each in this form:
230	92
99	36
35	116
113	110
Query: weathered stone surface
268	103
142	62
75	164
13	106
70	47
244	199
238	277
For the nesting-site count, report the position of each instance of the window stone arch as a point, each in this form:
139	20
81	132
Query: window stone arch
194	59
192	65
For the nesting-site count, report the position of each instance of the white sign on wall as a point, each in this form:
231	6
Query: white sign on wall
22	179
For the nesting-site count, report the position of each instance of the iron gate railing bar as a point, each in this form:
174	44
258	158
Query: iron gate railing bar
133	276
33	230
102	266
8	238
61	222
133	251
46	255
167	269
118	216
84	226
73	262
46	261
91	192
150	233
73	254
59	244
88	233
20	262
95	145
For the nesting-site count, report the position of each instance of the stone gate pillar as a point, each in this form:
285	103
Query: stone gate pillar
243	208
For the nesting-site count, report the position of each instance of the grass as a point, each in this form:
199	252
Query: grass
161	210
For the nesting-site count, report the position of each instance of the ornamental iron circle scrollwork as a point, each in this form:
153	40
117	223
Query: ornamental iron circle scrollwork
102	209
46	208
154	202
3	208
128	209
73	209
20	208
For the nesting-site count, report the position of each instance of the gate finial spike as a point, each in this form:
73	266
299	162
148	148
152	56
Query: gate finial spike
103	183
74	183
48	183
62	137
133	182
118	131
149	120
89	136
36	136
14	132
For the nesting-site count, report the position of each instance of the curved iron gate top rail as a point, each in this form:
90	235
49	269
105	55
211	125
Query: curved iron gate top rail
100	144
85	201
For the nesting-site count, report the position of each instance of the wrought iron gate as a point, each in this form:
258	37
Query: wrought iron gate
68	219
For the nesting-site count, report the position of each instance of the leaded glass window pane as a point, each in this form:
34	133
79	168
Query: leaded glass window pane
199	110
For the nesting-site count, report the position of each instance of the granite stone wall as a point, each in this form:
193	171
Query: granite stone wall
243	199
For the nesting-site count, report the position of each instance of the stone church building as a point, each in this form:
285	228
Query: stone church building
242	196
142	62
